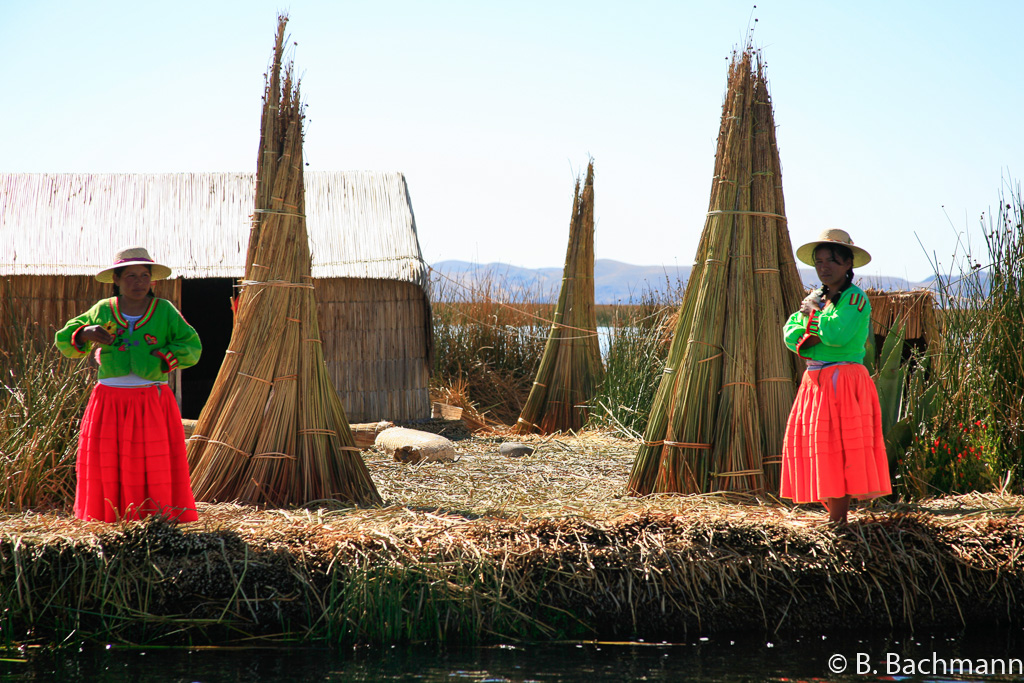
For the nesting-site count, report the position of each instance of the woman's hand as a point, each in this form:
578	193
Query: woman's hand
811	303
96	333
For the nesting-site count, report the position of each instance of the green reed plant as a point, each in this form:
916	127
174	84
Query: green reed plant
977	371
42	397
639	336
489	335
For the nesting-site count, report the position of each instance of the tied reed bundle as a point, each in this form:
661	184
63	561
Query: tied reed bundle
273	431
570	369
719	415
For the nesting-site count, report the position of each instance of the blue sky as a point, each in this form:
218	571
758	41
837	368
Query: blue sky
897	121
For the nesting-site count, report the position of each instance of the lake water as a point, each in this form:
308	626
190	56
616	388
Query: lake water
724	659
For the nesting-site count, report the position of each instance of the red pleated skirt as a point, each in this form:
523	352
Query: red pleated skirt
131	457
834	445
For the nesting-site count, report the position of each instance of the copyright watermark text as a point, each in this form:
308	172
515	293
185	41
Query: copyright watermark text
893	664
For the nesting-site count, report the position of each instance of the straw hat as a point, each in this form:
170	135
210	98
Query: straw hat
134	256
833	236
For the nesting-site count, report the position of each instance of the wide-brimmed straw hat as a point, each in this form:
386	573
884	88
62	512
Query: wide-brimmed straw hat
134	256
833	236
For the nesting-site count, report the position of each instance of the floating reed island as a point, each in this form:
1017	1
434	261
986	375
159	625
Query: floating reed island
545	546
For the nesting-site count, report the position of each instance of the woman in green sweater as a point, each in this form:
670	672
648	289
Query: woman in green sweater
834	448
131	449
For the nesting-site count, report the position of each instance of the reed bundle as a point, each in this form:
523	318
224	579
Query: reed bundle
915	311
273	430
488	548
570	369
718	418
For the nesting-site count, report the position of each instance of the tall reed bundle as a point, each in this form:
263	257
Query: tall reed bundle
570	369
273	430
719	415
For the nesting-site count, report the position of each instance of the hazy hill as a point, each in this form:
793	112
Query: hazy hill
614	281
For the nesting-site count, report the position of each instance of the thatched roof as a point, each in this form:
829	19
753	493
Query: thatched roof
916	310
360	223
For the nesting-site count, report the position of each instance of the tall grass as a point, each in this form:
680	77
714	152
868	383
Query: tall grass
639	340
975	436
42	397
489	336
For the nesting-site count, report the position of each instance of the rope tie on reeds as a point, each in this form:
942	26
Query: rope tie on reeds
273	283
214	442
541	385
717	355
258	379
741	473
293	320
767	214
283	377
776	379
772	460
281	213
273	455
715	260
527	423
765	270
680	444
318	341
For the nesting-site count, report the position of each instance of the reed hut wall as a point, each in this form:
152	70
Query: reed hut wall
57	230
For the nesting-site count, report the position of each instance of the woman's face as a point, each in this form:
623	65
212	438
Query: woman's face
134	282
831	268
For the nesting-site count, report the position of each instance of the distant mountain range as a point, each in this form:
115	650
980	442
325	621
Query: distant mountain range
614	281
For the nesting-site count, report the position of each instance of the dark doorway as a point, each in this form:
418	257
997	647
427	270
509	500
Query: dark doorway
206	305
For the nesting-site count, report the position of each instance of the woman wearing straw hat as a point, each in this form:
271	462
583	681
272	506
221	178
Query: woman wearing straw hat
834	449
131	449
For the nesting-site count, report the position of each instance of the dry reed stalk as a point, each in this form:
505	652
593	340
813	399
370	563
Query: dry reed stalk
719	415
571	368
273	430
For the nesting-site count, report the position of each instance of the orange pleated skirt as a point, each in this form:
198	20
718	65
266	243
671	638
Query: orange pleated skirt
834	445
131	457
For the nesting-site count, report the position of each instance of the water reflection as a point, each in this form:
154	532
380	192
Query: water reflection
726	659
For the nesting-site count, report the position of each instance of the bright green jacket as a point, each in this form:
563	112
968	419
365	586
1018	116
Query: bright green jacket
842	329
161	329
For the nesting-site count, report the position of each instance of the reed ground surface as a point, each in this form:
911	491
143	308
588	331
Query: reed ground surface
542	546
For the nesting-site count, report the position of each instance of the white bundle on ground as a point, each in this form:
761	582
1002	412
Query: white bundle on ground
414	446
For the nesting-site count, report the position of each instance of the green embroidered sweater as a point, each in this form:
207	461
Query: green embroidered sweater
842	329
161	328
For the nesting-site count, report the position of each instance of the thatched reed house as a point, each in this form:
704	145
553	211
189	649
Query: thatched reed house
916	311
57	230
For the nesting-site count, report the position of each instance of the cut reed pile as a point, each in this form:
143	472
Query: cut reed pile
273	430
719	415
570	369
489	548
